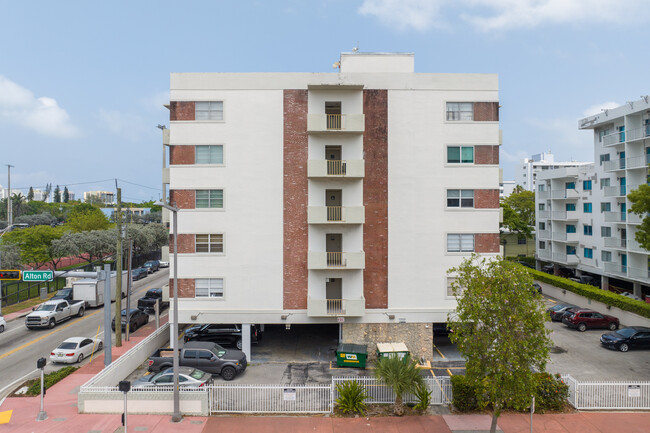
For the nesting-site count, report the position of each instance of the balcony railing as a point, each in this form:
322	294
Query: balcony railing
543	195
544	254
614	165
336	123
636	247
638	273
638	161
560	194
564	215
544	214
336	307
544	234
614	139
337	169
336	260
569	259
615	243
615	268
638	133
615	191
336	215
565	237
633	218
615	217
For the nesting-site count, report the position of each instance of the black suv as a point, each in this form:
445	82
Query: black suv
151	266
226	335
147	302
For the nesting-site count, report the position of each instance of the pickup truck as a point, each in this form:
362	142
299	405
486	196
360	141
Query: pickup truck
49	313
209	357
148	302
65	293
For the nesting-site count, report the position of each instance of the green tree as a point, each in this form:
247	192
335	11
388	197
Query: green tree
499	328
9	254
640	199
89	245
400	374
30	194
519	212
57	195
66	194
85	217
36	244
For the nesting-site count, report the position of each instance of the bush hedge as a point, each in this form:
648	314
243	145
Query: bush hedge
50	380
551	394
608	298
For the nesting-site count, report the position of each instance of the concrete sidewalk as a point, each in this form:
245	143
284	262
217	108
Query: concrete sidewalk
17	314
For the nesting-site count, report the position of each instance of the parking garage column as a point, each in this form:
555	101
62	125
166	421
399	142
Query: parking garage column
246	340
604	282
636	289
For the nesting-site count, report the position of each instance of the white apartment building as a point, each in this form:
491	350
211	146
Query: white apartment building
103	196
527	171
582	218
324	198
506	187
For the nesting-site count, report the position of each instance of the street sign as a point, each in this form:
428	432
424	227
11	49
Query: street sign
37	276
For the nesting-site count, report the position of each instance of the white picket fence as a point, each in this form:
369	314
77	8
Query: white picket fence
608	395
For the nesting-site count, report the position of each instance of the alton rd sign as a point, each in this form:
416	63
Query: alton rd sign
38	276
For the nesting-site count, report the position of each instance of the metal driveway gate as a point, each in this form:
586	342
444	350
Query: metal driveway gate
270	398
608	395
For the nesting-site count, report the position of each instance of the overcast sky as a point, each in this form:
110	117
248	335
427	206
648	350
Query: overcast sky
82	83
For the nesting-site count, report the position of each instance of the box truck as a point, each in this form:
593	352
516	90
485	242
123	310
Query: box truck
92	291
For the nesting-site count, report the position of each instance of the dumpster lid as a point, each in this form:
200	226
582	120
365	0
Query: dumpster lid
391	347
352	348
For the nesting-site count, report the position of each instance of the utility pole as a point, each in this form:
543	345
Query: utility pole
118	288
10	216
128	285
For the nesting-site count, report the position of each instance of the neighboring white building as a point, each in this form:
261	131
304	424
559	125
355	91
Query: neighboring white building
39	195
332	197
529	169
582	218
103	196
506	188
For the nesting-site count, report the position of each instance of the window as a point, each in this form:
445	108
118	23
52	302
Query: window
457	243
570	250
460	111
450	289
521	240
209	154
606	256
604	182
540	187
588	253
209	287
606	207
570	207
570	228
541	206
605	232
210	243
209	198
604	158
570	185
208	110
586	207
542	225
586	185
542	245
460	154
588	230
460	198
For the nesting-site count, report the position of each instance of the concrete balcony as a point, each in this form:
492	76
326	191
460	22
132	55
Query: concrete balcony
568	259
615	165
336	260
324	168
565	237
561	215
165	175
638	133
336	215
544	254
616	243
615	217
543	195
636	247
615	191
564	194
638	274
544	214
633	218
544	234
638	162
616	269
336	307
336	123
614	139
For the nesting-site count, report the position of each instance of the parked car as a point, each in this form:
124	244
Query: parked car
188	377
136	319
632	337
3	324
138	273
148	301
583	319
557	311
163	264
631	296
75	349
65	293
226	335
549	269
151	266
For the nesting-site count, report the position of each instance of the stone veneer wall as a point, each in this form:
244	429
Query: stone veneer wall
418	337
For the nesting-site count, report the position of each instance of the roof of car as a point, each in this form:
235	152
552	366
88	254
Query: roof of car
74	339
639	328
200	345
181	370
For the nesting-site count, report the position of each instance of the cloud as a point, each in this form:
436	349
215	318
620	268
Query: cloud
487	15
596	109
43	115
564	139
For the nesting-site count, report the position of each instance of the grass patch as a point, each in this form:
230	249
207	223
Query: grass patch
26	304
34	385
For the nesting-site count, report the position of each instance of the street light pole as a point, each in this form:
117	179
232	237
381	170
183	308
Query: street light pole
176	416
10	218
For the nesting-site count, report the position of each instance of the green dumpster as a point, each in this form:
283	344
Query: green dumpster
351	355
388	350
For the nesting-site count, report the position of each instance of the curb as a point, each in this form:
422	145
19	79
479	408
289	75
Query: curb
20	315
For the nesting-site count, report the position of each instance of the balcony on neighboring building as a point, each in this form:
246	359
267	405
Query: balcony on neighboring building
615	217
336	215
544	254
638	161
638	273
336	307
636	247
543	195
544	214
638	133
565	237
614	165
615	191
633	218
616	243
326	168
568	259
616	268
336	260
614	139
564	194
335	123
561	215
544	234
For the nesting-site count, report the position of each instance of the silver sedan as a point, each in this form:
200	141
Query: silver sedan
75	349
187	377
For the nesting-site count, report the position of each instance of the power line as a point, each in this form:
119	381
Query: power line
68	184
137	184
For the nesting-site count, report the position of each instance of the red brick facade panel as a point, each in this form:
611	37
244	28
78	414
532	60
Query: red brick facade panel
185	243
486	111
181	155
185	288
182	198
375	198
486	242
181	110
486	198
486	155
296	234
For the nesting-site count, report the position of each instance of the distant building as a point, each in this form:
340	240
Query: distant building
39	195
506	187
139	211
527	171
103	196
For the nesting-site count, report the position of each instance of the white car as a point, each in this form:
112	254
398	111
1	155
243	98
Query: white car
75	349
3	324
162	264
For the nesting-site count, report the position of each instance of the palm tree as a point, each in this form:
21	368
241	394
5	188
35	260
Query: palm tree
400	374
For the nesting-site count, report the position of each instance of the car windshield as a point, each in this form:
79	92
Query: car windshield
153	377
218	350
626	332
67	346
132	312
196	374
46	307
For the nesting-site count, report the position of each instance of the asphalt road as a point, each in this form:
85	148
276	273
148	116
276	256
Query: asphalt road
21	347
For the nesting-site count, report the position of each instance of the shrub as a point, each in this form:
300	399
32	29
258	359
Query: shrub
423	395
551	392
352	396
608	298
50	380
464	394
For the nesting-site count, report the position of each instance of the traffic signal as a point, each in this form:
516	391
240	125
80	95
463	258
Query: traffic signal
9	275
